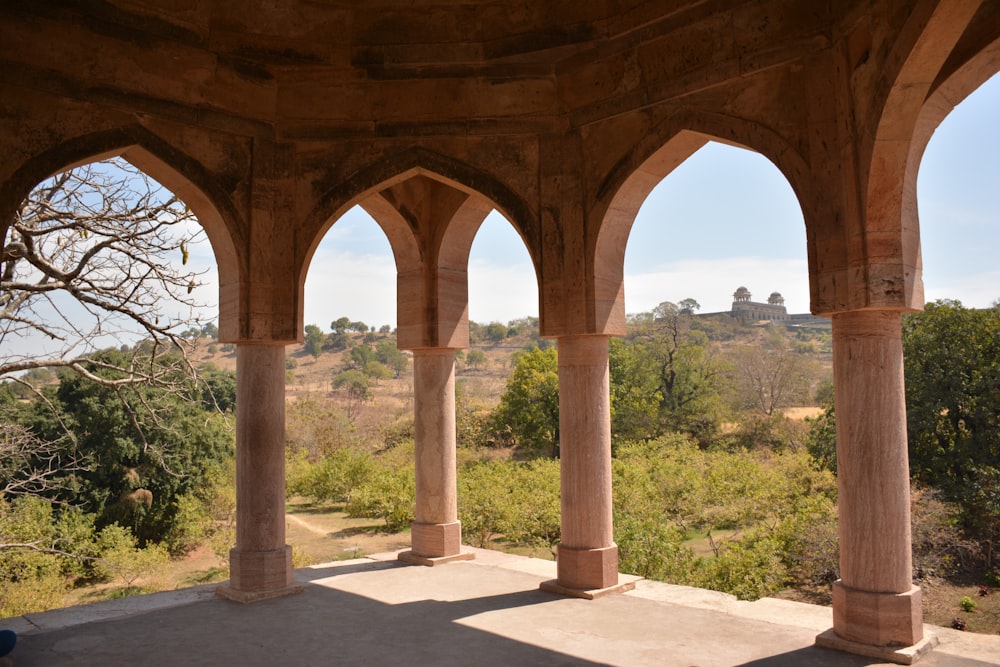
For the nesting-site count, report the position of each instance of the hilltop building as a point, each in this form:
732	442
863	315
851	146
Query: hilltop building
745	309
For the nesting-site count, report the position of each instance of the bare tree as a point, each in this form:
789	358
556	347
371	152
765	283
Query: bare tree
88	265
771	376
30	466
95	258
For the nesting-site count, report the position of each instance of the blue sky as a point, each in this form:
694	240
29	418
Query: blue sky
726	217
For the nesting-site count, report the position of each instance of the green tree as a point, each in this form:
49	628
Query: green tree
355	385
687	375
337	341
341	325
219	389
314	339
376	370
146	446
122	559
952	367
635	397
390	355
496	332
361	356
517	501
528	413
476	358
688	306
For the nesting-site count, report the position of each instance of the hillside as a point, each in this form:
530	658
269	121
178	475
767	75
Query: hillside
481	384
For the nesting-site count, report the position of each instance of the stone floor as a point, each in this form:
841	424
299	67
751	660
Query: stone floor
483	612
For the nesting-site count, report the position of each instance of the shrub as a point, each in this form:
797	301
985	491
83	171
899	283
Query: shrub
967	604
516	500
334	477
388	494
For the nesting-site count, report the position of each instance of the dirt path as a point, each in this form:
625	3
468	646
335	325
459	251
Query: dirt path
305	524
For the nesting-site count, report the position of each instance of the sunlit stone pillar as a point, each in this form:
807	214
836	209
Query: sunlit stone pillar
436	534
875	601
587	555
261	563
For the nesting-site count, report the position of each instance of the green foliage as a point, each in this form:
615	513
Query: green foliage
341	325
821	440
952	366
45	548
476	358
528	413
387	353
651	548
517	501
772	516
361	356
388	494
337	341
967	604
335	476
123	560
147	446
675	366
218	389
376	370
749	568
472	417
496	332
314	339
635	398
353	382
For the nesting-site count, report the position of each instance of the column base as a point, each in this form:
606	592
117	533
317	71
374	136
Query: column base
906	655
248	597
430	561
587	569
259	575
625	583
436	540
878	619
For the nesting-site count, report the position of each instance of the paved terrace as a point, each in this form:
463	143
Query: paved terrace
489	611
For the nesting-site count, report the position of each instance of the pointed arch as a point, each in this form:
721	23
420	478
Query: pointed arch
415	161
629	183
179	173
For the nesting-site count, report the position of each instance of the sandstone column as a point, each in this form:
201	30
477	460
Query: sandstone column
261	563
436	534
587	554
875	601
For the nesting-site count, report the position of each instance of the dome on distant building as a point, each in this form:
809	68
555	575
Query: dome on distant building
746	309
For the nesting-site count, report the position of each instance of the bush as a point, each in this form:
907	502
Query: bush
388	494
653	549
123	560
749	568
967	604
518	501
334	477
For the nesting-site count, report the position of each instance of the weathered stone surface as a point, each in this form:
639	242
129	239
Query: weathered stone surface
273	119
